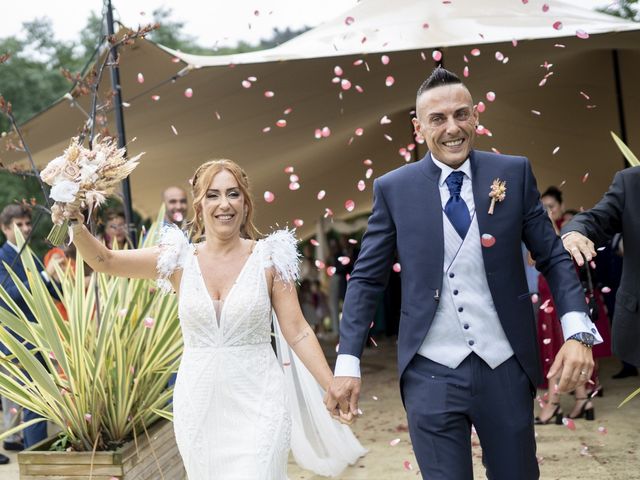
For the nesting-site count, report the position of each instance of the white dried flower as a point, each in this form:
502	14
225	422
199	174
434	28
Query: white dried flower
65	191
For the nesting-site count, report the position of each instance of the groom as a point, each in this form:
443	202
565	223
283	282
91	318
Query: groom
467	350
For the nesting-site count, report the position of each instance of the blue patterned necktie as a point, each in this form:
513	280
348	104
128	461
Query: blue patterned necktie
456	209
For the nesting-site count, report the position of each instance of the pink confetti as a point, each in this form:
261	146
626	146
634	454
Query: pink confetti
246	83
289	169
328	213
487	240
345	84
394	442
294	178
475	52
294	186
555	150
491	96
349	205
466	60
362	185
359	89
155	98
585	177
188	93
269	94
298	222
436	55
218	116
499	56
314	242
331	271
349	20
385	120
388	137
368	162
269	196
535	112
546	341
321	194
88	417
602	430
344	260
481	107
582	34
326	131
545	8
252	79
266	129
149	322
368	173
397	267
606	290
318	133
373	341
175	60
557	25
357	63
140	78
542	82
353	241
389	81
535	298
359	132
281	123
465	72
337	70
335	80
407	465
173	129
569	423
385	59
514	42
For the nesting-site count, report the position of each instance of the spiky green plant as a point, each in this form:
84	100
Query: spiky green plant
105	372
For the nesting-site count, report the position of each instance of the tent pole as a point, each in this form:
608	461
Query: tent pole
621	117
122	141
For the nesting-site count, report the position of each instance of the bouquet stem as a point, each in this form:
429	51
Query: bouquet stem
58	233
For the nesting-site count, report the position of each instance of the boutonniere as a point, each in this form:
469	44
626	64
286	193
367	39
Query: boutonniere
498	193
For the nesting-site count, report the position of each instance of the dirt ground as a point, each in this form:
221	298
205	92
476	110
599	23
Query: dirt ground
584	453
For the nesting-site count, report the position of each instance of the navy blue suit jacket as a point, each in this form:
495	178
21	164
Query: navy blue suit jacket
8	256
407	216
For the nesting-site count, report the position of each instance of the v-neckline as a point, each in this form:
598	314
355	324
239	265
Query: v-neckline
231	290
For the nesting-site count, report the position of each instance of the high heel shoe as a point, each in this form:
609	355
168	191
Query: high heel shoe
557	415
587	413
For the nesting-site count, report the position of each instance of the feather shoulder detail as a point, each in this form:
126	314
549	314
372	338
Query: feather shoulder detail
174	248
281	253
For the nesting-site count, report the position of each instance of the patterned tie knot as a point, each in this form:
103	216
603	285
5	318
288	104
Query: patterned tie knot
454	182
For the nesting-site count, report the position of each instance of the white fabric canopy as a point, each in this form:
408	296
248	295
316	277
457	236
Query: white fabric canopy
570	115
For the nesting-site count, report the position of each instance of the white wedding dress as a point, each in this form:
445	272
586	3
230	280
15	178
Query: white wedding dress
235	403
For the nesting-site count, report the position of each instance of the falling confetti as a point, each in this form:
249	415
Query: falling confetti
314	242
294	186
140	78
359	89
269	94
499	56
585	95
281	123
246	83
266	129
349	20
585	177
535	112
269	196
389	81
368	162
368	173
582	34
397	267
385	59
475	52
557	25
545	8
349	205
481	107
385	120
173	129
436	55
388	137
337	70
606	290
491	96
465	71
188	93
326	131
155	98
359	132
298	222
148	322
289	169
345	84
321	194
361	185
555	150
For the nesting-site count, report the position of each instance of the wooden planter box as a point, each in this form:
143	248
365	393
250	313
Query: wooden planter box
126	463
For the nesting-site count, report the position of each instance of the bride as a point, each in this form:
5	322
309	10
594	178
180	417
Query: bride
237	408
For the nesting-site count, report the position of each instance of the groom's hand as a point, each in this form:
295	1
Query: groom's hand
574	363
342	396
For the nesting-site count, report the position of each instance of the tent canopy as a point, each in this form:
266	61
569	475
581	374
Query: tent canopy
571	114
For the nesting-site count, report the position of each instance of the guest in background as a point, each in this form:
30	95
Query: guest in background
175	206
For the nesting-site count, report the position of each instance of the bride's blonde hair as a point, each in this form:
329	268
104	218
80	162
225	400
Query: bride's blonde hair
202	178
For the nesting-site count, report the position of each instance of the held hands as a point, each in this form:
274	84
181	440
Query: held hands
579	247
574	363
341	399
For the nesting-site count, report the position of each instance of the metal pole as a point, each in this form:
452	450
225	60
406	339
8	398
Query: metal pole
620	101
115	85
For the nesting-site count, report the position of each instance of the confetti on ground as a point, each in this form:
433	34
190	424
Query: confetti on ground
569	423
407	465
602	430
394	442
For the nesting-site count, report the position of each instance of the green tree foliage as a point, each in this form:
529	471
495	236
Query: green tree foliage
629	9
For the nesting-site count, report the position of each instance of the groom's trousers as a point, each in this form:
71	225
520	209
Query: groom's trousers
442	403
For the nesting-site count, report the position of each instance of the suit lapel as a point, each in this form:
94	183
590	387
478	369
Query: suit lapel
431	228
10	257
482	176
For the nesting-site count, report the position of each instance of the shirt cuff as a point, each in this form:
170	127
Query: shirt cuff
45	277
567	234
578	322
347	366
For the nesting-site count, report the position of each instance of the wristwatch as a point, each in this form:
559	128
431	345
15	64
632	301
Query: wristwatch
586	339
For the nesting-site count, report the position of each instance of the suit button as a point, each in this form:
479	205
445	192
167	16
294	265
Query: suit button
455	292
466	326
451	275
471	343
460	309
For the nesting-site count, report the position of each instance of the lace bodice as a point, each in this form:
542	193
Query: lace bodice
245	314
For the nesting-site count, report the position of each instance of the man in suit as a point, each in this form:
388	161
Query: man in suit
616	212
467	349
175	206
19	217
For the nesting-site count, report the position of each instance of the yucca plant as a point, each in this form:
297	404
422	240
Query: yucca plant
106	367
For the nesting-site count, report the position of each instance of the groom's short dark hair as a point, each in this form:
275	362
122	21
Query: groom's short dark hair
438	78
